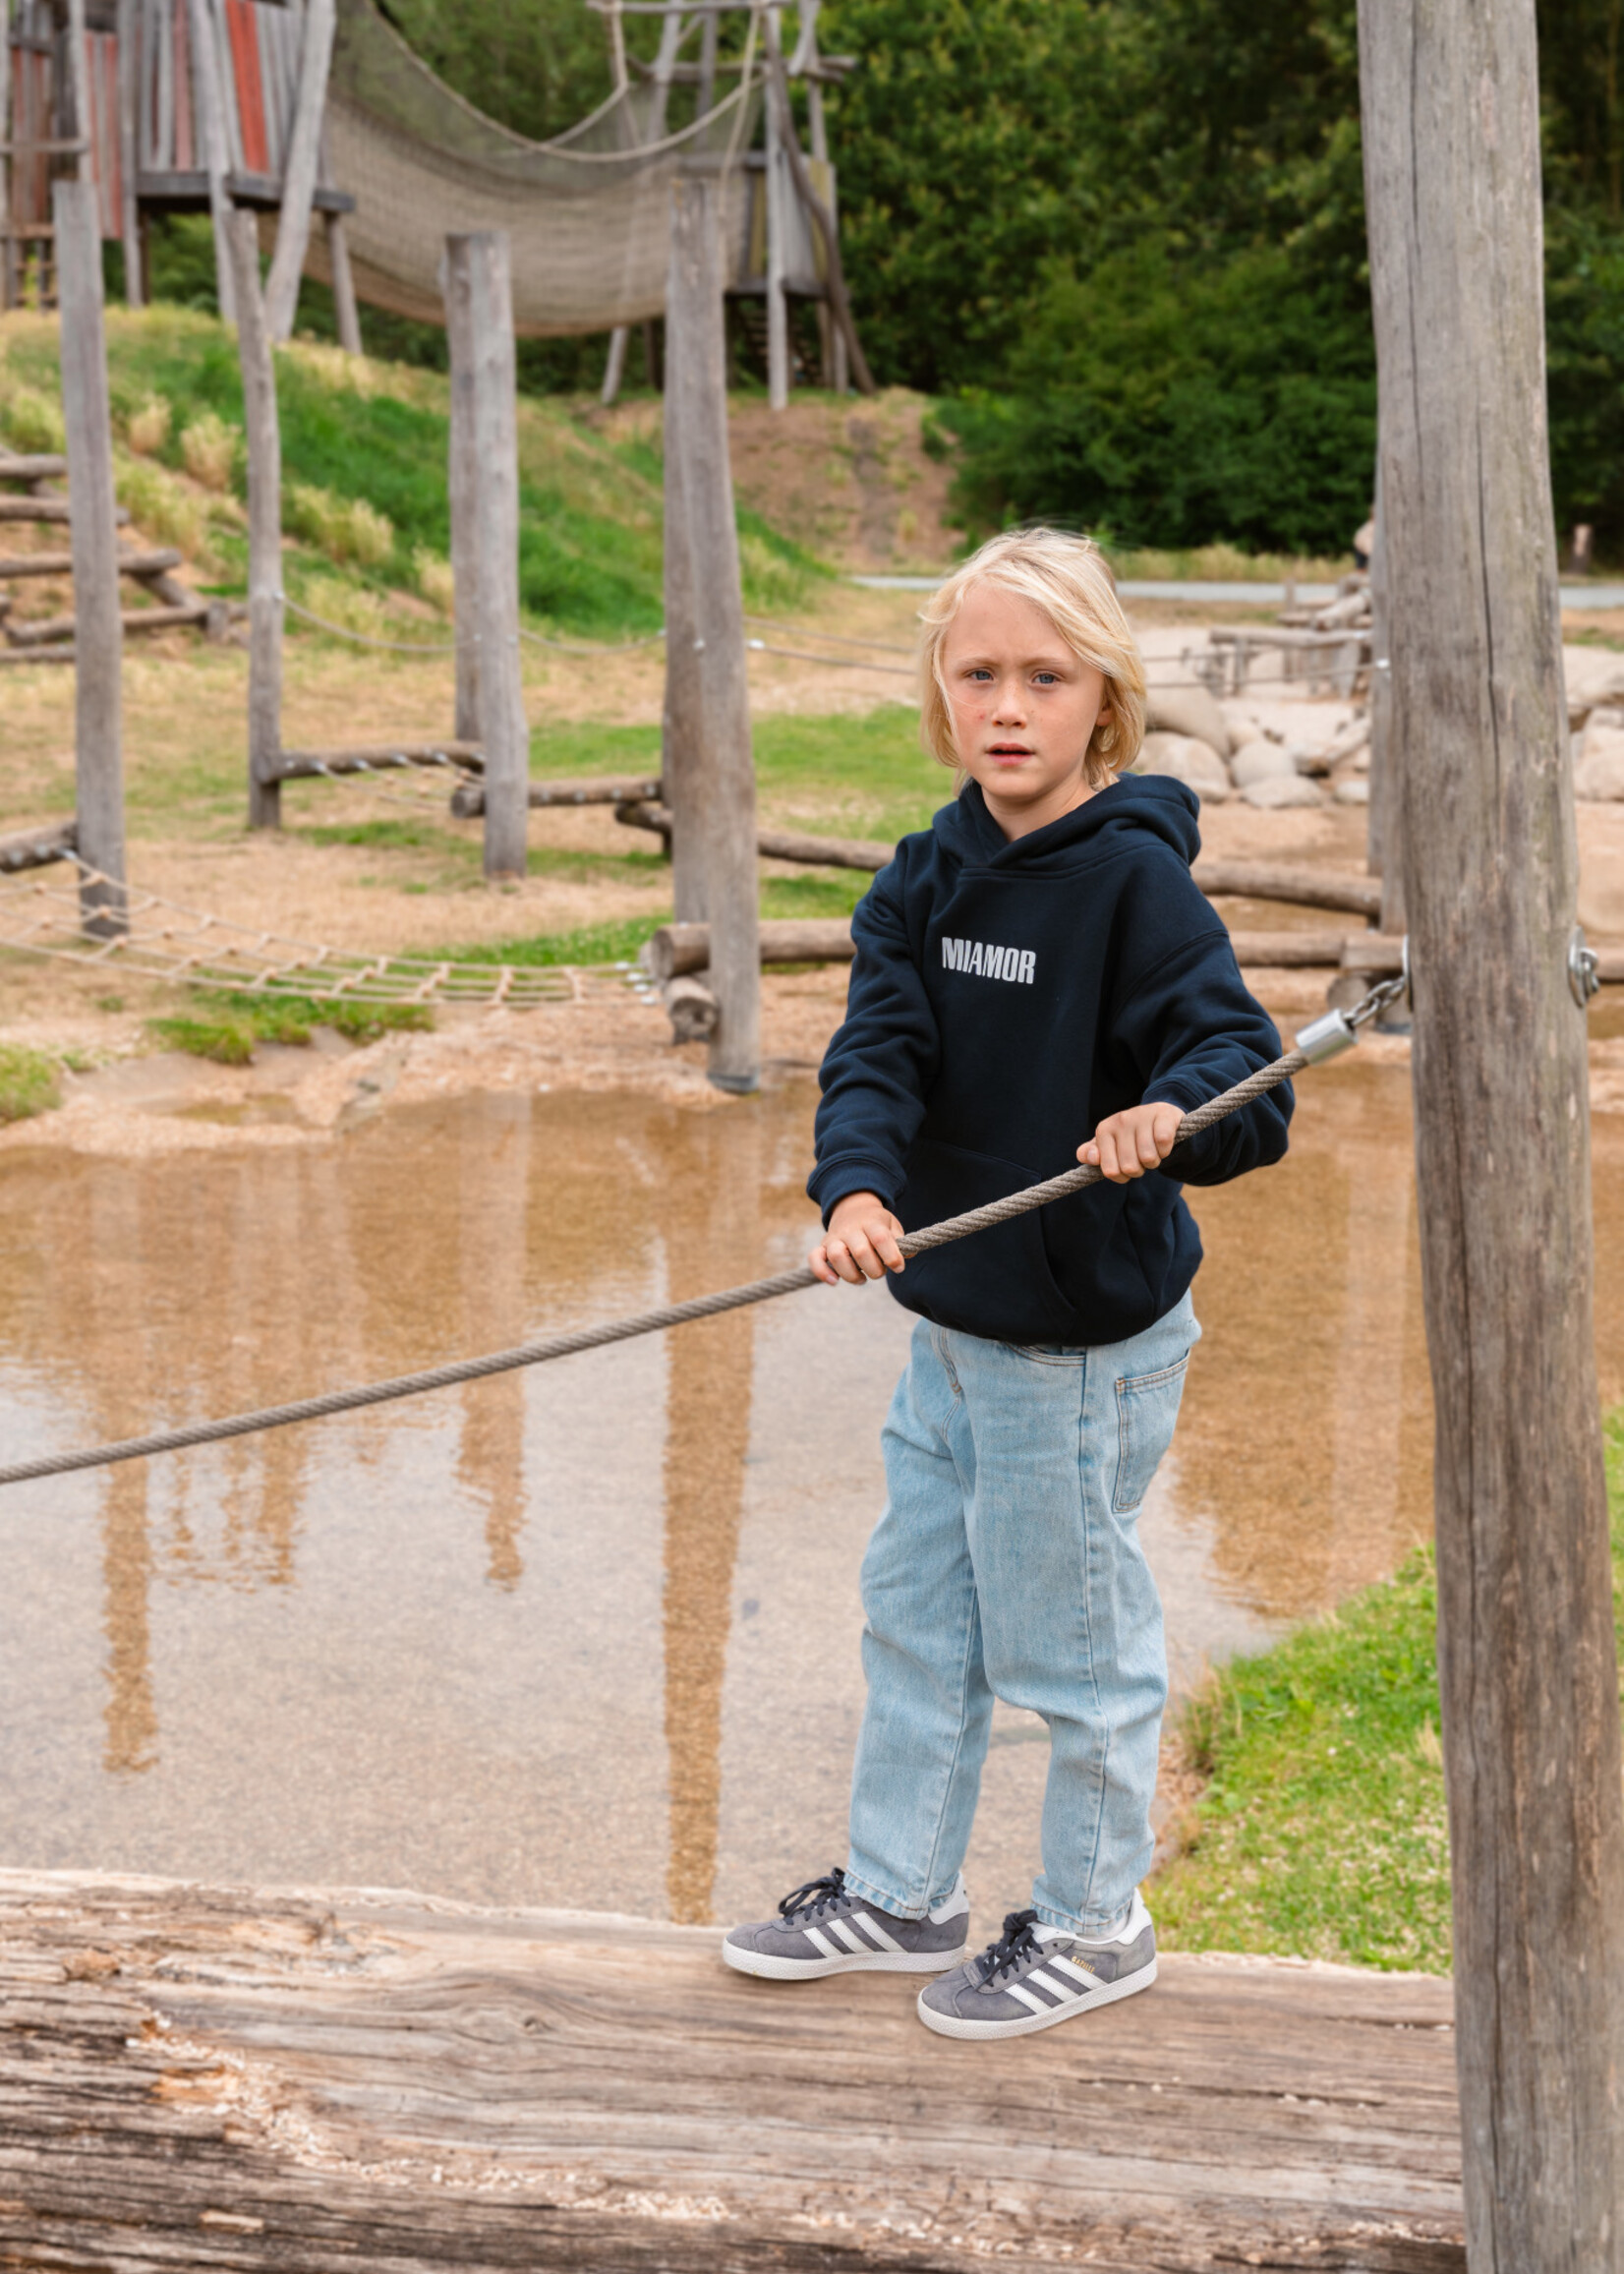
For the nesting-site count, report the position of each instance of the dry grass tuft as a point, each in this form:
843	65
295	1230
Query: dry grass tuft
209	447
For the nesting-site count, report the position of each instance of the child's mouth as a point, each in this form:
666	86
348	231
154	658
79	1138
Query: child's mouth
1008	751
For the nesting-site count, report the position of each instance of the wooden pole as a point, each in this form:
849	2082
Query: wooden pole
94	520
1383	860
713	793
299	174
78	84
478	297
209	134
461	488
129	111
7	286
264	529
776	192
1525	1649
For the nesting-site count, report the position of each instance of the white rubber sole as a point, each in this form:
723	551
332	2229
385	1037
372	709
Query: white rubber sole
771	1969
950	2024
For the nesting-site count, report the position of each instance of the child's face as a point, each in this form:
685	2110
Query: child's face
1023	708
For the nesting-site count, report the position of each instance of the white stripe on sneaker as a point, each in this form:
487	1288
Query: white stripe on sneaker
1082	1974
852	1941
821	1944
1021	1991
871	1926
1047	1982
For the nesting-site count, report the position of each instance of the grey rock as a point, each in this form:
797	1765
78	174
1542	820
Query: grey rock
1189	760
1189	711
1263	761
1353	789
1270	791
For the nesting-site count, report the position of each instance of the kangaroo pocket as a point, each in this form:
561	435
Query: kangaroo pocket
996	1283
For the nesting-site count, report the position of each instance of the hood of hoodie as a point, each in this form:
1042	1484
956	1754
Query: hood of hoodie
1132	802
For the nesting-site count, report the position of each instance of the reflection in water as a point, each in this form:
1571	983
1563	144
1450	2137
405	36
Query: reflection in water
531	1641
713	1231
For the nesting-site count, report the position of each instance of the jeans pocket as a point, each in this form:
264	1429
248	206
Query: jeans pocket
1147	1408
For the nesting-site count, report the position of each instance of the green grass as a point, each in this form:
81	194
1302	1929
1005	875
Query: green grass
591	509
30	1082
228	1027
1322	1831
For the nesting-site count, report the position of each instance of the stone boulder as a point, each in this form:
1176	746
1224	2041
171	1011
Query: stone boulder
1261	761
1189	711
1353	789
1273	791
1599	757
1188	759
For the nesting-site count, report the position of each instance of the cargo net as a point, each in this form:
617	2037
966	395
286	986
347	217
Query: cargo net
587	215
164	940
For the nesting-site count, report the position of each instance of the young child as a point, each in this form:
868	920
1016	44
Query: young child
1037	966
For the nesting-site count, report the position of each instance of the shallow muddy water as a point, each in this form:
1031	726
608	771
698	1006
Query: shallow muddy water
588	1635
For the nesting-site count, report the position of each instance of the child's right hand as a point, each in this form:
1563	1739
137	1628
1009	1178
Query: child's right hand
860	1242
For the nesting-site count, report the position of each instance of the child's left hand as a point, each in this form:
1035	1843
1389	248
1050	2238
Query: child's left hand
1126	1145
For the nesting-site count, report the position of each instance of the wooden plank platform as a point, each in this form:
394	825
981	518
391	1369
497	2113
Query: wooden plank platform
203	2078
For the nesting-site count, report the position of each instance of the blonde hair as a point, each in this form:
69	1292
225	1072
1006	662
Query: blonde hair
1070	579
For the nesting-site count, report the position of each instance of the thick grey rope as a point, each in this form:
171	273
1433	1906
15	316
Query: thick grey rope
436	1378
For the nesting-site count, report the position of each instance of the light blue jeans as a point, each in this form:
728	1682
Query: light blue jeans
1008	1565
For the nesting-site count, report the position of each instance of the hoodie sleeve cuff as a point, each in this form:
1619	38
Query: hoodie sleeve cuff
836	1181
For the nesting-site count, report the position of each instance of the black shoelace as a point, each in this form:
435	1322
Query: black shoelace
1018	1941
817	1897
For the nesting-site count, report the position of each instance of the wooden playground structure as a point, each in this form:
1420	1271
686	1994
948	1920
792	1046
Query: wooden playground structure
299	2137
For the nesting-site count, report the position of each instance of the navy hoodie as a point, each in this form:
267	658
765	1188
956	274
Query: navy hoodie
1007	997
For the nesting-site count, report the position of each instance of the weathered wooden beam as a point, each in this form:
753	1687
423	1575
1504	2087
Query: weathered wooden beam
45	654
462	480
33	466
304	149
617	789
14	566
479	293
47	630
1308	888
677	951
345	309
37	847
264	436
210	136
714	793
1526	1656
98	749
128	25
47	509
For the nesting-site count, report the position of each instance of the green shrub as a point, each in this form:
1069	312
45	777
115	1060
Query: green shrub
29	1083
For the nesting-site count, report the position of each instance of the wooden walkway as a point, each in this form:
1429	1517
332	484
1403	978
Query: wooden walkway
203	2078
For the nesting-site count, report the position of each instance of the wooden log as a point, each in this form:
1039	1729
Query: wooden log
371	758
16	566
46	655
98	750
42	509
33	466
1308	887
718	776
195	2077
677	951
8	282
1526	1656
479	286
264	527
47	630
468	799
37	847
304	149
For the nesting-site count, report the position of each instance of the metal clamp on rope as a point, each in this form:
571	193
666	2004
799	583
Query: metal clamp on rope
1338	1031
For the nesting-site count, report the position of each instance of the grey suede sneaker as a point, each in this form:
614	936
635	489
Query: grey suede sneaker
1021	1984
822	1930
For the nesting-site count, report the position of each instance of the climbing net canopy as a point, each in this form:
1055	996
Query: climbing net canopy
587	215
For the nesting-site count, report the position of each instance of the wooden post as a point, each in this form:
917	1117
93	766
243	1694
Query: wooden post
776	192
614	366
1384	856
347	314
7	286
264	528
1526	1650
210	132
78	84
92	514
479	298
128	110
707	698
461	488
299	174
